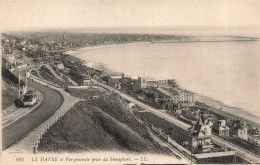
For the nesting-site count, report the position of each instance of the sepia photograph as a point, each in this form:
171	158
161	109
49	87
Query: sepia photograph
130	82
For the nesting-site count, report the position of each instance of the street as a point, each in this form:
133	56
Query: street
51	101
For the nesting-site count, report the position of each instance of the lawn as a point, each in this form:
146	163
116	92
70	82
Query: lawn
178	134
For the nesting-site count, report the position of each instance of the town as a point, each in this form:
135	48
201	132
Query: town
158	108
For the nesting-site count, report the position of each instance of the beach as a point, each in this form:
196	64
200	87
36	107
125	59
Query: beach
225	71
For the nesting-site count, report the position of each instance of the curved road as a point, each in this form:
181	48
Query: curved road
51	101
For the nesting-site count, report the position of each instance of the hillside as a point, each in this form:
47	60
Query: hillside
9	95
103	124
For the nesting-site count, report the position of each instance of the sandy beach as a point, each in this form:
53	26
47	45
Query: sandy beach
172	56
227	110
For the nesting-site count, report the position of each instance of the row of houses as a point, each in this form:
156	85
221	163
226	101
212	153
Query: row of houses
10	62
204	127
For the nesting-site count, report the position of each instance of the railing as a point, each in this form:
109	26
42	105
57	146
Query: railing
51	121
173	143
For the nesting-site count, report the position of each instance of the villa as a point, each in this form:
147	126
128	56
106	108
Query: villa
221	128
201	134
239	130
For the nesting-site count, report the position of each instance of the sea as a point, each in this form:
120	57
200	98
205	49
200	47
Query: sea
226	71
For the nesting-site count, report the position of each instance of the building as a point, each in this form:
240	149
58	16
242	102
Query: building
167	82
87	80
220	127
117	85
254	139
201	134
115	82
136	84
239	130
254	131
242	132
149	83
7	48
9	61
60	66
186	99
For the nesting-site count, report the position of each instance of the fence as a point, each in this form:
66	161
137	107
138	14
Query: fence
173	143
50	122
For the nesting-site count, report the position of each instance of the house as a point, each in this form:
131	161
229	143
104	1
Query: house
220	127
60	66
9	61
254	131
146	83
255	139
201	134
118	85
115	83
242	132
87	80
239	130
7	48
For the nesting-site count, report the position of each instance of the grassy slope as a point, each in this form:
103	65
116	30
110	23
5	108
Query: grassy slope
97	126
9	95
178	134
77	131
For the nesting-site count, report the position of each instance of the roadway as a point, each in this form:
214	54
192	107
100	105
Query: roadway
51	101
147	107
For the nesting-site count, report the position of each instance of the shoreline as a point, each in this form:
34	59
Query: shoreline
229	39
240	112
90	48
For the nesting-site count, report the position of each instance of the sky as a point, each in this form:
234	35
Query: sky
63	14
